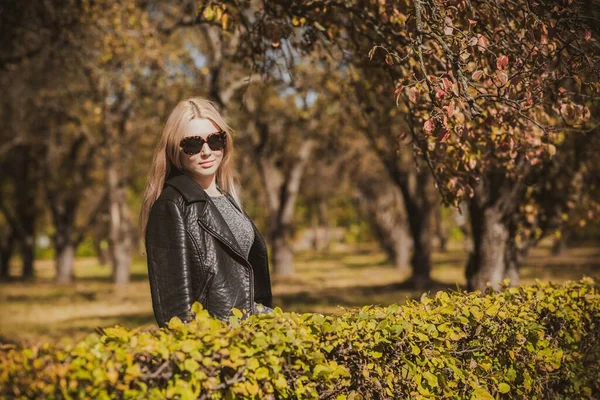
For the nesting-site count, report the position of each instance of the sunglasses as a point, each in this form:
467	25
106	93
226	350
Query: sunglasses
193	144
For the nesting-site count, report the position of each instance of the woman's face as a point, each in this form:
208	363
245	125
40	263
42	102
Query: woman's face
206	163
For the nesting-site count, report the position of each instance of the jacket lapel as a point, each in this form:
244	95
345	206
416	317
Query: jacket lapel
211	219
208	214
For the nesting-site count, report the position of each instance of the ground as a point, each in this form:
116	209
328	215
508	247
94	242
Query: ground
41	311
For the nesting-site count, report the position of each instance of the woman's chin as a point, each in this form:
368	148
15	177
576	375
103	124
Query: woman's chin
204	172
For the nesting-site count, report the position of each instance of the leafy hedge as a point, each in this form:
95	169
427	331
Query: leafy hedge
538	342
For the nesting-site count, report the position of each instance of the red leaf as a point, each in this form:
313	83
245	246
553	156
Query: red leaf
501	62
482	41
443	135
502	77
429	126
413	95
472	22
440	94
447	84
449	109
587	35
477	75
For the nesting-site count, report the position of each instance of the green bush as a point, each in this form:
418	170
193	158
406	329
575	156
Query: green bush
538	342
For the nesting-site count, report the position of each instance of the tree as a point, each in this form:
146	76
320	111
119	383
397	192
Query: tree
481	84
282	135
44	25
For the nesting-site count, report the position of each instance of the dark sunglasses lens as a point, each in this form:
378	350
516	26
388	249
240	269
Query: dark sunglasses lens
192	146
216	142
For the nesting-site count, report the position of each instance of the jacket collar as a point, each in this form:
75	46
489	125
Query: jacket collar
209	216
188	187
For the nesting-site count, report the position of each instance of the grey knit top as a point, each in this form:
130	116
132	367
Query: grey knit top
242	230
239	224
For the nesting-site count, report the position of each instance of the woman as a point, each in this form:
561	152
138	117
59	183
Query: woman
200	244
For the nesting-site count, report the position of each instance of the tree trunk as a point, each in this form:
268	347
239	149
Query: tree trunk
280	233
419	196
513	259
441	231
120	236
384	210
26	184
26	214
403	244
28	257
320	226
282	193
420	223
63	216
65	257
7	245
488	261
282	254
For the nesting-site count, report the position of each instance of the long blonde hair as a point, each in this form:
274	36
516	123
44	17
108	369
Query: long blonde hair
166	161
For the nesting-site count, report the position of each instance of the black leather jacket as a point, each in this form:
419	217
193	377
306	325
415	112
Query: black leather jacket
193	256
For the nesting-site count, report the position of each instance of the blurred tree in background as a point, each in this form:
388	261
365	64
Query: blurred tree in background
490	91
386	111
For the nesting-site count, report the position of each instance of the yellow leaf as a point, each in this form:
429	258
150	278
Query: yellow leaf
481	394
236	312
225	21
252	388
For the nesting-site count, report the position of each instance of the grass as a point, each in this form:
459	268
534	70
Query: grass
42	311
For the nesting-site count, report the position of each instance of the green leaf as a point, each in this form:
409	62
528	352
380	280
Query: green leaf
188	346
481	394
280	382
190	365
431	379
261	373
504	388
493	310
321	370
236	312
415	350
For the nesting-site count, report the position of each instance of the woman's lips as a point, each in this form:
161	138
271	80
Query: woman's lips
207	164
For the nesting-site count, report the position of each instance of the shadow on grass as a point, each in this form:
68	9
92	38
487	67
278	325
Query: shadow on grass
134	277
53	297
5	340
129	320
560	271
358	296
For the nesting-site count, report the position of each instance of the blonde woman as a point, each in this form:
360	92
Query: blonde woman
200	244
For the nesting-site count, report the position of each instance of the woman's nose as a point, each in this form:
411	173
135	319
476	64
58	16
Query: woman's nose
205	149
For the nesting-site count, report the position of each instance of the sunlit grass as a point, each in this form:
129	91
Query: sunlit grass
39	311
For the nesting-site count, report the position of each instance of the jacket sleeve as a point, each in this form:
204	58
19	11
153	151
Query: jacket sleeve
168	263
